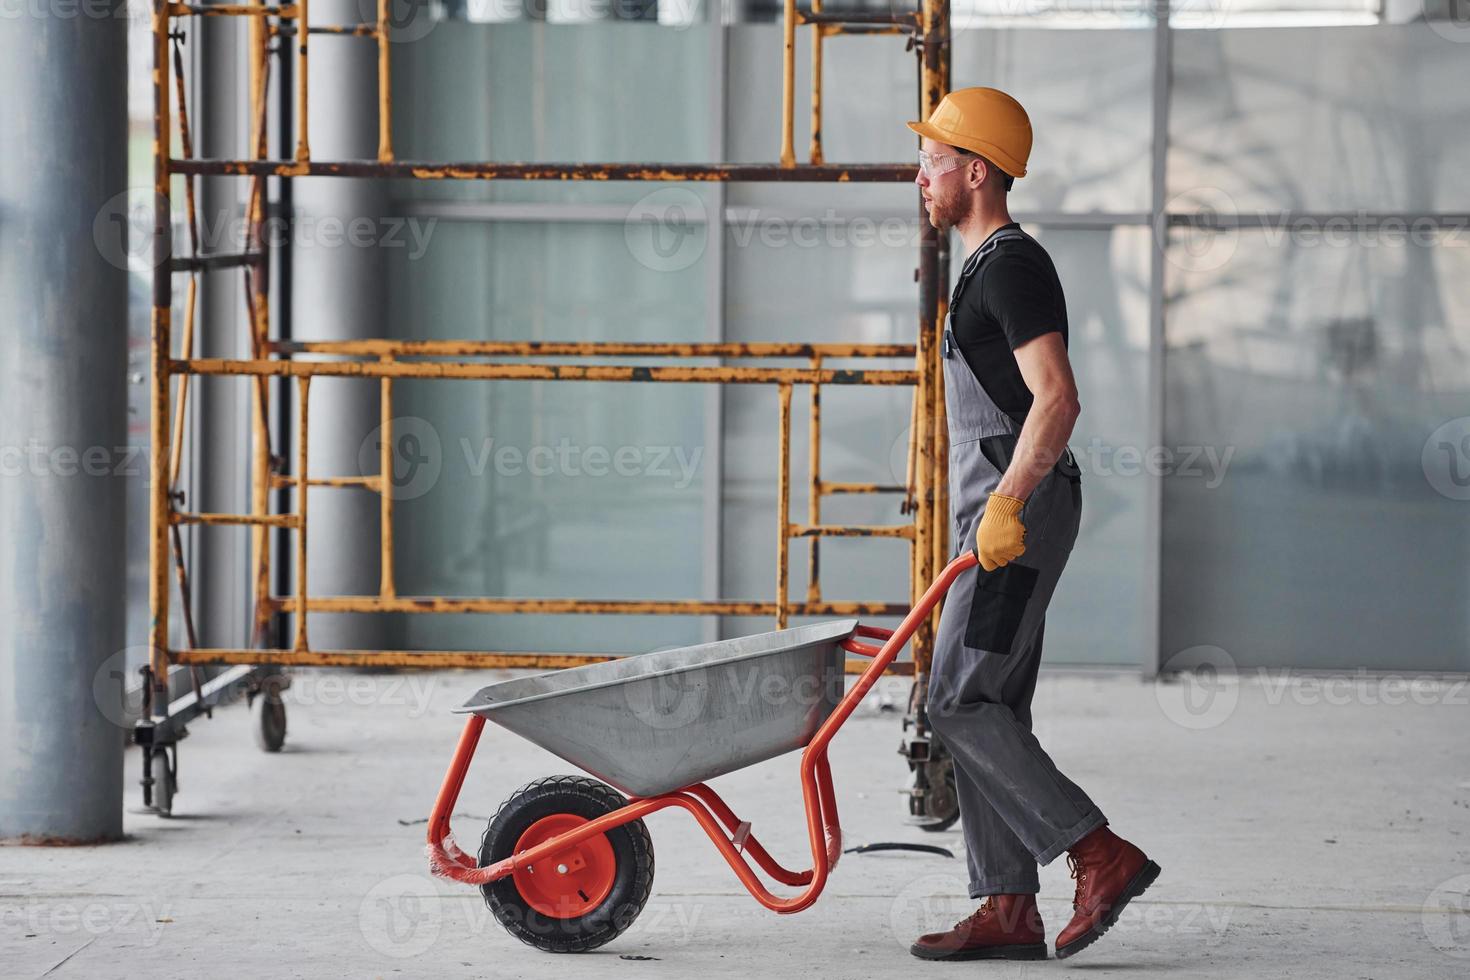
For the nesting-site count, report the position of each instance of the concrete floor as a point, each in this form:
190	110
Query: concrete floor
1304	831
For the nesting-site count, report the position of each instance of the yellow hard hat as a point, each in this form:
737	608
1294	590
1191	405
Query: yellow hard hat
985	121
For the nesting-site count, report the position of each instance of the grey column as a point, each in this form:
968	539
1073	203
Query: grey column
339	293
63	318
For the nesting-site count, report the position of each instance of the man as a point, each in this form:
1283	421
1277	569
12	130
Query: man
1016	495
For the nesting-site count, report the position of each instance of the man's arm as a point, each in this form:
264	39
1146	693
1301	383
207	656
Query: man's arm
1000	536
1048	373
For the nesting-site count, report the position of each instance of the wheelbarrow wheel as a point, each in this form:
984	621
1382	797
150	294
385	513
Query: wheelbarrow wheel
579	899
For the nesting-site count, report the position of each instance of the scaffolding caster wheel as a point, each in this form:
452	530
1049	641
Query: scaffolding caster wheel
270	721
940	804
165	782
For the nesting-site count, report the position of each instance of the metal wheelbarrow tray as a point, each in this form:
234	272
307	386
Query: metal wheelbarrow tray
567	863
661	721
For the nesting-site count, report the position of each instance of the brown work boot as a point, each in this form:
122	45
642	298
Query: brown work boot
1110	873
1004	927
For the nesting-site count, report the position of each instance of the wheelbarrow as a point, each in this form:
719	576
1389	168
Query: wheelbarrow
566	864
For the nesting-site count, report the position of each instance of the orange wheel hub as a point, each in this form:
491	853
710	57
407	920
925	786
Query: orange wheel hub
572	881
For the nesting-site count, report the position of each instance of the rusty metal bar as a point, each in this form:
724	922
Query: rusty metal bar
864	18
911	501
603	607
788	86
851	531
191	296
303	392
432	659
257	297
927	466
303	150
234	520
888	173
424	659
542	372
176	451
159	503
863	30
255	10
783	508
385	87
584	348
280	480
937	61
814	489
211	263
186	143
386	584
335	30
829	487
815	150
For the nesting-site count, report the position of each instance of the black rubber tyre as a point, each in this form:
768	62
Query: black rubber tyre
164	784
942	804
632	849
270	721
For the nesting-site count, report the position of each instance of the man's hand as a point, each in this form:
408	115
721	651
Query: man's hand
1001	537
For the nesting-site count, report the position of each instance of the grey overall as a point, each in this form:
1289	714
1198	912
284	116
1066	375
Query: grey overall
1017	810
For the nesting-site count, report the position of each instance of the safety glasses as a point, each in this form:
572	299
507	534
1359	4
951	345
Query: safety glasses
931	165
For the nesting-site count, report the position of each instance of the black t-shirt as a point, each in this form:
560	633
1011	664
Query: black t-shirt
1013	297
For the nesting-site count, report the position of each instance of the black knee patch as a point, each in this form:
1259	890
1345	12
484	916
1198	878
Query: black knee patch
997	607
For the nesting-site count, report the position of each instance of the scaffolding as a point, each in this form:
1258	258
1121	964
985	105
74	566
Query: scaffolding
276	366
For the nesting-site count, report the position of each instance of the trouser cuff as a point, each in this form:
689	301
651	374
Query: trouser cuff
1072	835
1017	884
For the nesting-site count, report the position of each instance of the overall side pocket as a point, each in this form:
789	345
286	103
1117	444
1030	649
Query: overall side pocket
998	605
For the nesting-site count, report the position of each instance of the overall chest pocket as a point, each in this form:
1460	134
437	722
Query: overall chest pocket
998	605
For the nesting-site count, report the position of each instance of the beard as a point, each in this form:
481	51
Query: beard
948	210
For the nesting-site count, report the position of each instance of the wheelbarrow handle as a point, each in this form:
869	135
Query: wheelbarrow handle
926	604
893	643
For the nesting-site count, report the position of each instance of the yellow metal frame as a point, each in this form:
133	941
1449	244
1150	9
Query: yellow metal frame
387	361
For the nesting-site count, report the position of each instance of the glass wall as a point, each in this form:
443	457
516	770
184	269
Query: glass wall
1312	509
555	489
1323	351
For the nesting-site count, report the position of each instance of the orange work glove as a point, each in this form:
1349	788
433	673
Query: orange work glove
1001	537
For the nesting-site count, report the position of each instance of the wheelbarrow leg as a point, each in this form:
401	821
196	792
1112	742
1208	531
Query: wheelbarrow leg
442	849
827	796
